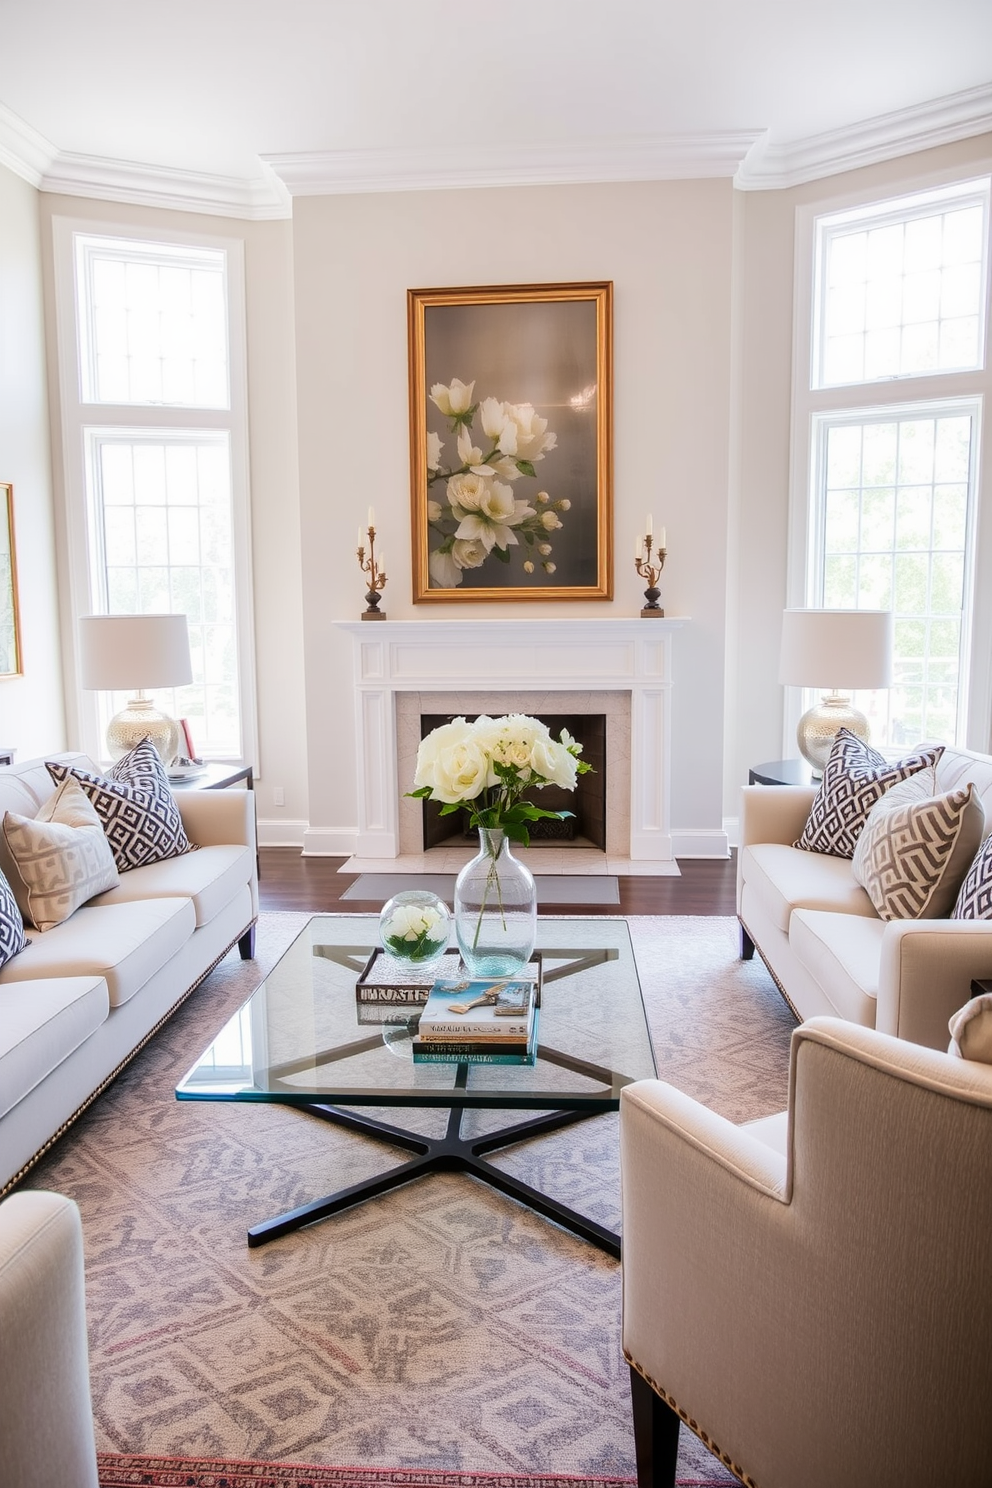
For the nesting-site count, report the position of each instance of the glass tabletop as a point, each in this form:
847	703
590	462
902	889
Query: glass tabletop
299	1040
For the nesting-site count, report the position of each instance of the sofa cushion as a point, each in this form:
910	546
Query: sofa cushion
210	877
126	944
41	1023
843	954
11	924
142	820
784	879
971	1030
916	848
854	778
62	856
974	901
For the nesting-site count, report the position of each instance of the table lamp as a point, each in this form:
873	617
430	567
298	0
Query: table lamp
132	652
838	649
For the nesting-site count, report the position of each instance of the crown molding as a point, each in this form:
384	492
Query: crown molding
22	149
450	168
959	116
164	186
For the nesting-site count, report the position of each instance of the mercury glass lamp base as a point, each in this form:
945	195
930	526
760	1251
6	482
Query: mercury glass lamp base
820	725
142	720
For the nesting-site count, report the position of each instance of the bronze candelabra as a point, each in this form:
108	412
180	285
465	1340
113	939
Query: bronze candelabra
649	561
376	573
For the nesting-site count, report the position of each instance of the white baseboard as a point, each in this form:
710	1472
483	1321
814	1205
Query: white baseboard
329	843
281	833
702	843
732	827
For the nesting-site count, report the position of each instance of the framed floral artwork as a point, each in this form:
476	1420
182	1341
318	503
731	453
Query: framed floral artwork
511	442
10	640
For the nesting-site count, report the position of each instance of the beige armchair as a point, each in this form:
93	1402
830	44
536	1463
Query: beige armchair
46	1420
820	1315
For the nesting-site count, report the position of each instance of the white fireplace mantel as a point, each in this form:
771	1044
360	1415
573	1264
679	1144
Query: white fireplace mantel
542	656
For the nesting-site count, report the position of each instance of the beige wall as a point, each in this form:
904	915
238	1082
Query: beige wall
276	540
31	716
668	249
765	279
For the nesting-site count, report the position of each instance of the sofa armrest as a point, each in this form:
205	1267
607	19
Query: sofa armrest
774	813
925	975
214	818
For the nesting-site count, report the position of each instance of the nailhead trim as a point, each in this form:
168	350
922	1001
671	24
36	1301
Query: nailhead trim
693	1425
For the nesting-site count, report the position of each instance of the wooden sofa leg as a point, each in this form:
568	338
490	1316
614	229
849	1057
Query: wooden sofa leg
246	945
747	944
656	1435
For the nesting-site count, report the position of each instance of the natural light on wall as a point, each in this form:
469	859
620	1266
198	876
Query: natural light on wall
899	307
152	324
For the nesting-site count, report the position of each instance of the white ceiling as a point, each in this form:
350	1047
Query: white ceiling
120	97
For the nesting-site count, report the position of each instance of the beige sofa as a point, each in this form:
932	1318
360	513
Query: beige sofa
819	934
80	1000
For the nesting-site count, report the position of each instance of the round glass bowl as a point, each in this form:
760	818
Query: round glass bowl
414	927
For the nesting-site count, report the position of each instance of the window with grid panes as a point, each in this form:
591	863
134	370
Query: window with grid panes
899	307
155	424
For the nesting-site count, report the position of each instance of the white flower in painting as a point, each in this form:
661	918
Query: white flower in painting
434	511
434	447
469	552
549	521
528	567
454	399
506	467
531	438
544	549
486	510
549	567
444	570
468	453
492	414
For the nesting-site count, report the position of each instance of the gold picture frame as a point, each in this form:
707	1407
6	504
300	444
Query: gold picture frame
511	442
10	622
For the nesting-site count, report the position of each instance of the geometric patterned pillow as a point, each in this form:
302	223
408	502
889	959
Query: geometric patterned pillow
62	856
916	848
141	820
854	778
974	901
12	937
141	766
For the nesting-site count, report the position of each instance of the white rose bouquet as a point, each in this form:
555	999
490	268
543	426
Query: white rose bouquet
483	517
488	765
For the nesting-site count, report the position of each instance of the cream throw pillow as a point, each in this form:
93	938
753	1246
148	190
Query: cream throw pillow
916	848
62	857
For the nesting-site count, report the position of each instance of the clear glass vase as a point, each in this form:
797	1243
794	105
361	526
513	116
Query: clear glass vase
495	909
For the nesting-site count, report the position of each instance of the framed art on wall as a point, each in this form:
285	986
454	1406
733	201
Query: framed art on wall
511	442
10	638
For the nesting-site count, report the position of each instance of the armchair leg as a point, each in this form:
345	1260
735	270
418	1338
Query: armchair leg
656	1435
747	944
246	945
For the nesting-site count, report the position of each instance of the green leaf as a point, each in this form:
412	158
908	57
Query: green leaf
501	554
421	794
525	467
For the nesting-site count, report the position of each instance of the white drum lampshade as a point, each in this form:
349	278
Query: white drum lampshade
840	650
131	653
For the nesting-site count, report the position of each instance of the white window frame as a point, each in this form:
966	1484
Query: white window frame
78	417
872	400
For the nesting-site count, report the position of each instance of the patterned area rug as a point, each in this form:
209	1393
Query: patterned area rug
188	1472
440	1328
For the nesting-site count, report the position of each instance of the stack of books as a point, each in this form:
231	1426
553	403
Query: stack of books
473	1021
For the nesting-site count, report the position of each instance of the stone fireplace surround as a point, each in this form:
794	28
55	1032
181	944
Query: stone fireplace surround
617	667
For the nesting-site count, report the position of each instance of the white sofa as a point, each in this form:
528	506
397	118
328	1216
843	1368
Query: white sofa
821	939
80	1000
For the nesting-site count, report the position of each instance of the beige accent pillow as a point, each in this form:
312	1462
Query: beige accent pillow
917	847
971	1030
61	856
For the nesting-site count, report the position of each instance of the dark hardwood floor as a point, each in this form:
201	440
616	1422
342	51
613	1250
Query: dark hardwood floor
706	887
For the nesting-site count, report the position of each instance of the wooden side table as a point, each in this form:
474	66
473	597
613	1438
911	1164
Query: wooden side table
6	756
781	772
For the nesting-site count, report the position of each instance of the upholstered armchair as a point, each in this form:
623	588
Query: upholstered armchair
46	1420
813	1294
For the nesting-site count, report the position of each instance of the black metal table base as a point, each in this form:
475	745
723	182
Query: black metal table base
450	1153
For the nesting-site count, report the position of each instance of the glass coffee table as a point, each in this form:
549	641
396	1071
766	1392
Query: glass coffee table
299	1041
